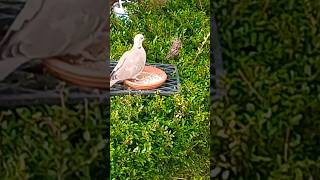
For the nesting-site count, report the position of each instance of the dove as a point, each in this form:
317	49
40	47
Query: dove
46	28
131	63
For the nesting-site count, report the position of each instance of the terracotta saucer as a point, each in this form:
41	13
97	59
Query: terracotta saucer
150	78
89	74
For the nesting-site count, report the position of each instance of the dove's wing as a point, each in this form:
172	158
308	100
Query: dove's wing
11	58
114	78
28	12
120	63
132	64
91	19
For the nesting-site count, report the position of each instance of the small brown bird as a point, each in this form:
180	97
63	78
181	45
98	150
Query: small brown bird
131	63
175	48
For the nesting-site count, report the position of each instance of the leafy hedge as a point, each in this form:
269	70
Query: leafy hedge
156	137
267	126
52	142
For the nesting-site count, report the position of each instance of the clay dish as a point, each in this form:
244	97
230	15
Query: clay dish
150	78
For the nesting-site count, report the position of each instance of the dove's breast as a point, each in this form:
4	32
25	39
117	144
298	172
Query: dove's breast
140	56
134	63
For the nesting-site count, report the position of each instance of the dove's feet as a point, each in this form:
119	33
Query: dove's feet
135	79
139	78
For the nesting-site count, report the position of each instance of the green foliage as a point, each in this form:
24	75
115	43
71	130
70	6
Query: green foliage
155	137
52	142
267	126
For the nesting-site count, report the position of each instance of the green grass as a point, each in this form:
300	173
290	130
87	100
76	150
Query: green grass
156	137
267	126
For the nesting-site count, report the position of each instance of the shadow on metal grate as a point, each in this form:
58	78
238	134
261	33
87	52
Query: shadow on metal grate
30	85
171	86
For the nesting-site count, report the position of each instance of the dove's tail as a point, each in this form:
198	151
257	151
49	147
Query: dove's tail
9	65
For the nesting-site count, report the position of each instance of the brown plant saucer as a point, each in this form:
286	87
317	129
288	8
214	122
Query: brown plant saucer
89	74
141	84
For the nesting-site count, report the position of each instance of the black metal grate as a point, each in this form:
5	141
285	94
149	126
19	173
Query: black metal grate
30	85
171	86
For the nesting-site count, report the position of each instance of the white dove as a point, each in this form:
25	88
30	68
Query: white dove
131	63
46	28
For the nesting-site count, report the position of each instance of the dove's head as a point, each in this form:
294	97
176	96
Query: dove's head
138	39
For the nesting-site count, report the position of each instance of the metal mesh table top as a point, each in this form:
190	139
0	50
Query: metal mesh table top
31	85
171	86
